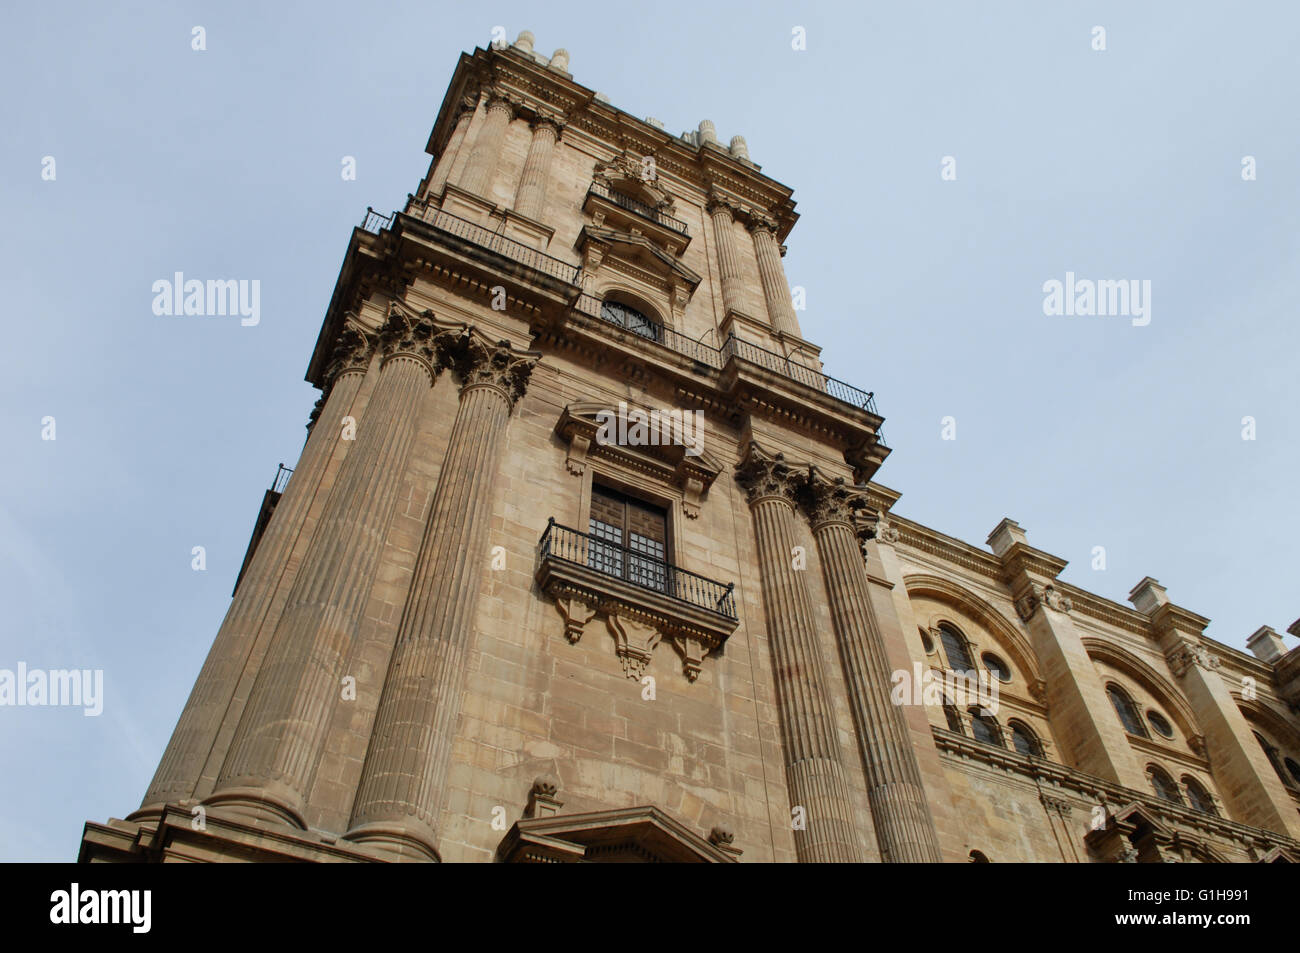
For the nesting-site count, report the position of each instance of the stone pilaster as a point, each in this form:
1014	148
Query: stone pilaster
530	199
404	777
442	170
477	175
814	771
780	307
278	742
201	720
728	255
1082	714
905	830
1251	790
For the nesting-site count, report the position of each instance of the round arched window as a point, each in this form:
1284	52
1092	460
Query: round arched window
626	316
1160	723
997	668
985	728
1198	796
954	646
1127	712
1163	785
1025	741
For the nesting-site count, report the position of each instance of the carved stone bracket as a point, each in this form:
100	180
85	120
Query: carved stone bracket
634	643
1189	654
576	613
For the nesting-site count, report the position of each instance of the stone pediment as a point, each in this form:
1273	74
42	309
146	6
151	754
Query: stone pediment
581	424
635	834
598	242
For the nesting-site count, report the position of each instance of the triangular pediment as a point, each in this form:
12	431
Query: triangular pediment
631	835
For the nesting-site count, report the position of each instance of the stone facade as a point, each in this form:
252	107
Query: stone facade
437	652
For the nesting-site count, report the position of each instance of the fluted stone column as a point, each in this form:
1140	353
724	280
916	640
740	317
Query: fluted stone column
477	175
443	169
200	722
277	746
404	777
530	199
728	256
814	771
905	830
780	307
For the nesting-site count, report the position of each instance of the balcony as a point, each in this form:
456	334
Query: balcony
646	600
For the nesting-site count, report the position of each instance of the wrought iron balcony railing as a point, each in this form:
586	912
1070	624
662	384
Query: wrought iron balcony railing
282	474
640	208
484	238
652	331
646	572
866	400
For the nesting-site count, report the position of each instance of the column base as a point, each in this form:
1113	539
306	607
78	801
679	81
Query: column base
274	804
394	842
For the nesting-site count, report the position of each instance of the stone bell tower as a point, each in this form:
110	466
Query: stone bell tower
483	622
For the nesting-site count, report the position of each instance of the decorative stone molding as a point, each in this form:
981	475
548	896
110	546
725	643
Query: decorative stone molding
1187	654
1037	596
634	643
692	652
479	362
352	352
576	614
765	475
670	464
542	801
831	501
1058	804
417	336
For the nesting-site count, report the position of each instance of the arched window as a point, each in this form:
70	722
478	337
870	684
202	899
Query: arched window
997	668
1163	784
1199	797
626	316
978	857
954	646
1273	759
954	719
1160	723
1126	710
984	727
1025	741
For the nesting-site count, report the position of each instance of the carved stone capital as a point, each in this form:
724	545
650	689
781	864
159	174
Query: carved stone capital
718	203
830	501
1036	596
480	363
767	476
407	334
351	352
760	222
1058	804
1188	654
499	99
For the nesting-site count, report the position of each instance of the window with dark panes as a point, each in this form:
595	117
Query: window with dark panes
954	646
629	538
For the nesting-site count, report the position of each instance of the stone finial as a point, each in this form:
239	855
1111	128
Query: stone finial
1266	645
721	834
708	132
657	123
739	148
542	801
1005	535
525	42
1148	596
560	61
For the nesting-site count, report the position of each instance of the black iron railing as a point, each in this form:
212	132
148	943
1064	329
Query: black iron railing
505	247
282	474
795	371
610	559
374	222
640	208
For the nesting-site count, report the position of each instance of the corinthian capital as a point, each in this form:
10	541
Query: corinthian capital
761	222
351	352
830	501
479	362
1188	654
768	476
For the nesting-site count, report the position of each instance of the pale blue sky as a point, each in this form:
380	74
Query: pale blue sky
225	163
